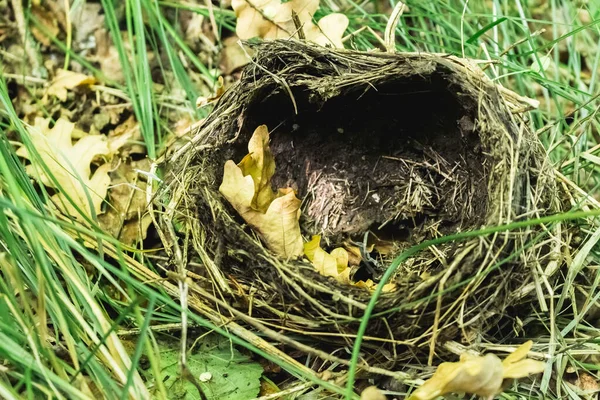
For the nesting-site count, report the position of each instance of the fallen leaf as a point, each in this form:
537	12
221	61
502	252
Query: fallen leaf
334	264
247	187
67	80
126	218
219	90
369	284
87	18
268	387
480	375
586	382
48	21
271	19
107	56
127	138
329	31
233	56
69	164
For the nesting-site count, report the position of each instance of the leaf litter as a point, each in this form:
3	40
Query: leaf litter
70	166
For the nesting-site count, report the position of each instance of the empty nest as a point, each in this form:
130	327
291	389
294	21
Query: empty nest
405	147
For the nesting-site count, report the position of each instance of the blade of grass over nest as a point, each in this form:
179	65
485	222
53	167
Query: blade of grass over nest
576	215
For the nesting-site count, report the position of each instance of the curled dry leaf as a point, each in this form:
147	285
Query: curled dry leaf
247	187
272	19
329	31
69	165
369	284
48	25
219	90
480	375
372	393
67	80
335	264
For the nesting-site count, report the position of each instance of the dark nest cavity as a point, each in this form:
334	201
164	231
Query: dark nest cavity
408	147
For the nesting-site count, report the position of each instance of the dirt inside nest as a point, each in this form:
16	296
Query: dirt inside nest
402	159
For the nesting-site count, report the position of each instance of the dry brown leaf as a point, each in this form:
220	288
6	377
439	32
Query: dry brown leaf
70	166
587	382
233	56
107	55
48	21
247	187
271	19
87	18
127	138
334	264
369	284
329	31
67	80
126	217
480	375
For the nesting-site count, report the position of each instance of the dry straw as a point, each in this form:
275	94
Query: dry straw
410	146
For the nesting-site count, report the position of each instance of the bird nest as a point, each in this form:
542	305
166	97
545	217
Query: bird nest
385	151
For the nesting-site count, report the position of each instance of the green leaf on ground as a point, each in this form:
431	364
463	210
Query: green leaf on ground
220	370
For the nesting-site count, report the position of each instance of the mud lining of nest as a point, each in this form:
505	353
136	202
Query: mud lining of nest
409	147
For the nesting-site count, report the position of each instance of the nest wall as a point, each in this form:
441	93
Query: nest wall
428	135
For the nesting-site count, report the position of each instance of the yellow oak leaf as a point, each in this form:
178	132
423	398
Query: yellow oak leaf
334	264
247	187
480	375
65	80
69	165
369	284
329	31
516	366
260	165
271	19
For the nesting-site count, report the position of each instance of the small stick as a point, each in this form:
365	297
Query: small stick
298	25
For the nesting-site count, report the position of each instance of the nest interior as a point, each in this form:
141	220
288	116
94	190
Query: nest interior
386	159
410	146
